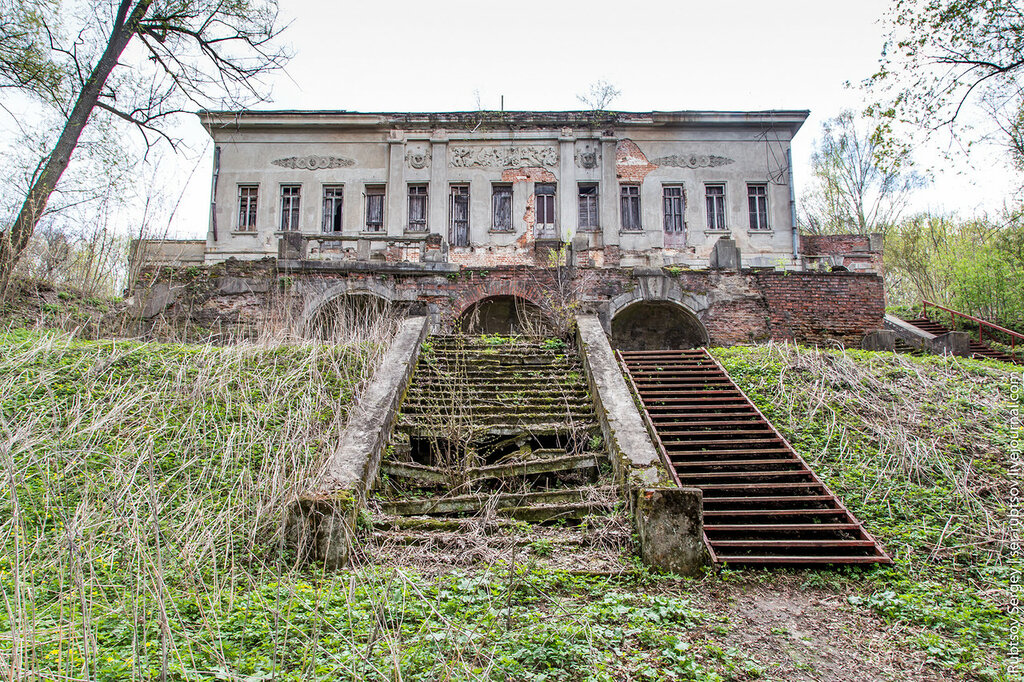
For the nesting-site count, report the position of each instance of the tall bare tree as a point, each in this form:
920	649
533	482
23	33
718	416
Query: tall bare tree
139	61
599	96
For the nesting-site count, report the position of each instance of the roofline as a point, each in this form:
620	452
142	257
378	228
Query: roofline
791	119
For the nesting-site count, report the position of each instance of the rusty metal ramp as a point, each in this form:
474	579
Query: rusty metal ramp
763	505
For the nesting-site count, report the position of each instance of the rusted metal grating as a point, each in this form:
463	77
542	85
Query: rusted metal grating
763	505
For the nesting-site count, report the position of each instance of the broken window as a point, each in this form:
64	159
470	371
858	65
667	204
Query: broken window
714	196
757	205
290	195
674	205
332	208
501	208
247	199
458	215
375	209
630	199
417	208
588	206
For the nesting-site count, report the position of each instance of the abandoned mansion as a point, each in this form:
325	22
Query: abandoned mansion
675	227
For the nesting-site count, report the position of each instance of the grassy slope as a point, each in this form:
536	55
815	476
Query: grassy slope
920	450
143	532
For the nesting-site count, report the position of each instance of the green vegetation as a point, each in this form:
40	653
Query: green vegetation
918	449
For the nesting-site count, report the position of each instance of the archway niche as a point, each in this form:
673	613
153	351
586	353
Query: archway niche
353	316
657	325
504	314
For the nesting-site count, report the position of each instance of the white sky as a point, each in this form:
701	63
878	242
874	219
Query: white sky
399	55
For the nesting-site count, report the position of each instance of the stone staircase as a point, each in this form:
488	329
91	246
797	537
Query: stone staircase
493	433
978	348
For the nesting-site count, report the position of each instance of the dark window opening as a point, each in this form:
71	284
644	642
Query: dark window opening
418	208
248	196
588	207
290	195
757	206
501	208
630	198
674	204
714	196
458	215
333	200
374	209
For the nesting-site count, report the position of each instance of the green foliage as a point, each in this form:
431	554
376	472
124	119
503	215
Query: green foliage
917	449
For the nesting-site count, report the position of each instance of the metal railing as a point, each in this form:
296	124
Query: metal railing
982	324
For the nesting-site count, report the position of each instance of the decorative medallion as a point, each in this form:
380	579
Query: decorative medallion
314	162
418	158
692	161
503	157
586	158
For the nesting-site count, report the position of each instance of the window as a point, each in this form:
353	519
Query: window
757	206
375	209
630	199
333	199
247	199
501	208
674	205
588	207
714	196
458	215
417	208
290	195
545	195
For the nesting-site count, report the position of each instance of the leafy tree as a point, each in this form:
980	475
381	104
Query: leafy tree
853	187
133	61
943	58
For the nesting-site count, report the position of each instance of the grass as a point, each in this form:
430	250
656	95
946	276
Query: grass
140	528
920	451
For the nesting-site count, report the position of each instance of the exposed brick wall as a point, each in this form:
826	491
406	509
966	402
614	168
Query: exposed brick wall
854	251
751	306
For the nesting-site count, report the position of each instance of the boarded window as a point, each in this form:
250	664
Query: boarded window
501	208
248	196
333	196
630	200
458	215
757	206
714	197
290	195
588	207
672	200
374	209
418	208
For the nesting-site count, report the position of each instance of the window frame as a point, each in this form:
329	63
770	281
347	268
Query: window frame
629	193
757	207
417	191
290	207
550	205
455	193
593	197
327	216
374	191
252	208
501	190
677	216
720	207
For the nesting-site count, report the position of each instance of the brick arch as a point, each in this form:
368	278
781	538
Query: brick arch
478	292
369	287
659	288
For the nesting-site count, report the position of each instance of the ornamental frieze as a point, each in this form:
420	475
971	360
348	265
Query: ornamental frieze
314	162
692	161
503	157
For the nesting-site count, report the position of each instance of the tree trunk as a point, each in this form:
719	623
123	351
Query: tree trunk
14	241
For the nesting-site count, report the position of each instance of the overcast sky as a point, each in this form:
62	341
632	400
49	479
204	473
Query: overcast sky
663	55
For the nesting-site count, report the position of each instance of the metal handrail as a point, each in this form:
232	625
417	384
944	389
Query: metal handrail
980	322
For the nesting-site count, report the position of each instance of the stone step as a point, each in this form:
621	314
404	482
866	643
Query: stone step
474	503
438	475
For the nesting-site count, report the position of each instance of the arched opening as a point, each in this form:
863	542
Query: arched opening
657	325
353	316
504	315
